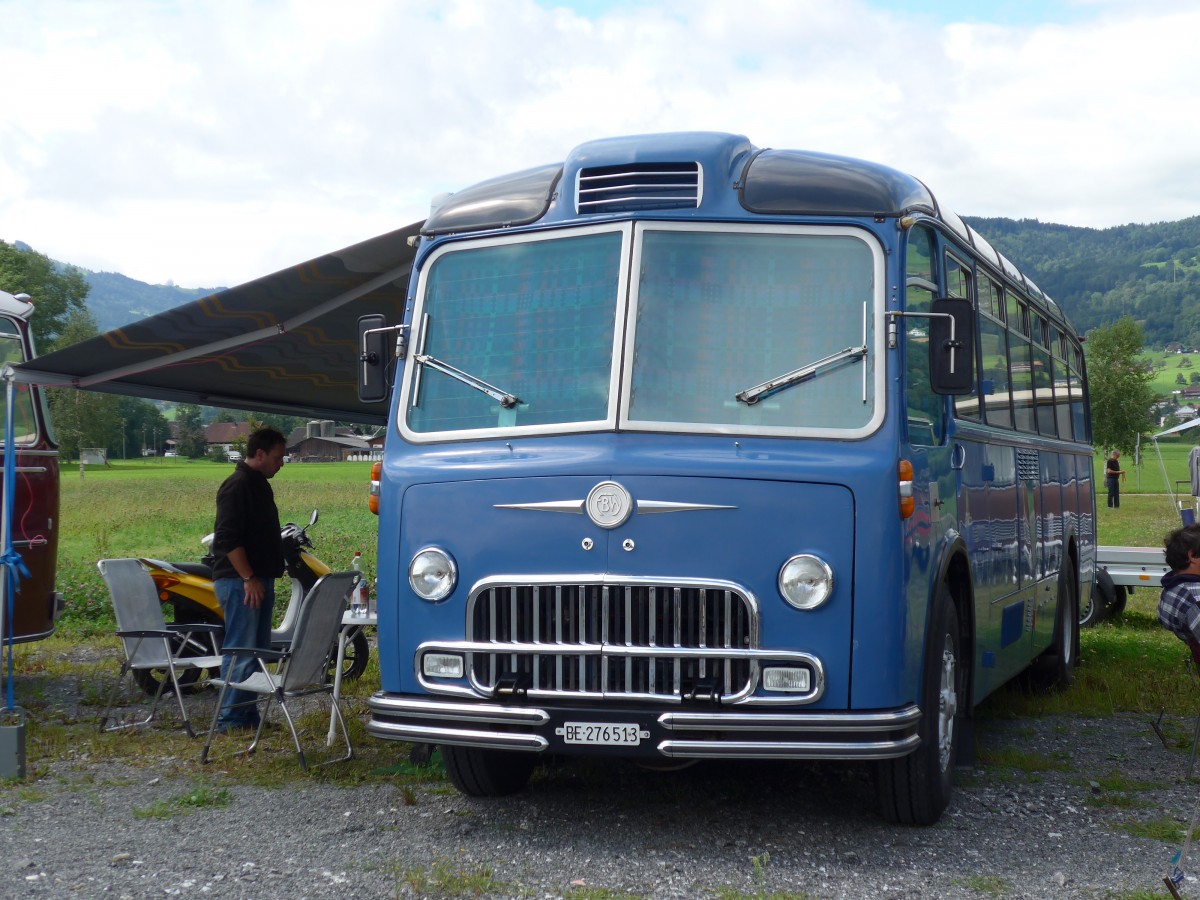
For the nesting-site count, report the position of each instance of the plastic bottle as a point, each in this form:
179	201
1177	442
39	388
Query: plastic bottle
358	595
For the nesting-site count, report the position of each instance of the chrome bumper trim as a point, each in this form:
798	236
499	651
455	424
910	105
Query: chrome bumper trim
909	716
489	713
731	735
492	740
788	749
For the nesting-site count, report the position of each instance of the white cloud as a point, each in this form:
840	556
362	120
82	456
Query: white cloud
214	142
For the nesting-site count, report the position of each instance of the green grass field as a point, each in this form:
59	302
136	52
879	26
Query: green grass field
1167	368
161	508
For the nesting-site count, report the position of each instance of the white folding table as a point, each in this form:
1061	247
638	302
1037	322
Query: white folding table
350	624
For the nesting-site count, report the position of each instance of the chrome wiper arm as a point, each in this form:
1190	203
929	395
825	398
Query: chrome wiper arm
752	395
504	398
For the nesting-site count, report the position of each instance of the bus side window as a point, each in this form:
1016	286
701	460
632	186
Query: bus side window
993	355
926	410
1021	366
959	282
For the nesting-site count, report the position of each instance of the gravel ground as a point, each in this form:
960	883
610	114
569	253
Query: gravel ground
1049	815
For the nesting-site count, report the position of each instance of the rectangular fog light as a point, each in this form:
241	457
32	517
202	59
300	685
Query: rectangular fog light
778	678
442	665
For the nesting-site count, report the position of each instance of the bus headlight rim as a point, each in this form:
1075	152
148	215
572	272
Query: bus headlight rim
432	574
805	581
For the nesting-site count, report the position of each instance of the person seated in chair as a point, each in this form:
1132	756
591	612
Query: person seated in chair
1179	605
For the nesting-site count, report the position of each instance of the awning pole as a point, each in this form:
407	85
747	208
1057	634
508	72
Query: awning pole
6	591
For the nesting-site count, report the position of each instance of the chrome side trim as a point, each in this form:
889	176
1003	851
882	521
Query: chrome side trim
641	507
575	507
650	507
22	451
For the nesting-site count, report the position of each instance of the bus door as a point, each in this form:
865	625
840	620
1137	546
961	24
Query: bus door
34	535
933	481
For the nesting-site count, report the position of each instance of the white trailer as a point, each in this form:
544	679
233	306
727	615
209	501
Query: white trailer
1119	571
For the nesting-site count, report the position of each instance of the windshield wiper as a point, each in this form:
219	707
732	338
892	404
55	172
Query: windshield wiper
750	396
504	398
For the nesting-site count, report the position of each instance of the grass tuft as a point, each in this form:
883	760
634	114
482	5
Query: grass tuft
198	798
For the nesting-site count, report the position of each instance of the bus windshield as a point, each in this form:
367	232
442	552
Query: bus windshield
720	328
759	329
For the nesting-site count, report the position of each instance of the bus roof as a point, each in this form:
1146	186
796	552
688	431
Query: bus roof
702	174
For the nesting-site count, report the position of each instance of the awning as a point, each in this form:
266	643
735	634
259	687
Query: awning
285	343
1182	426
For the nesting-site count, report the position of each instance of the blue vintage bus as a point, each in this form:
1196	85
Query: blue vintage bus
700	450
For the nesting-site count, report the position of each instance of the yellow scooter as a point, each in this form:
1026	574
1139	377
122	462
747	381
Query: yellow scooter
188	589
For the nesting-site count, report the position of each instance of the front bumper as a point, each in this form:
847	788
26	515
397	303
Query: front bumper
674	734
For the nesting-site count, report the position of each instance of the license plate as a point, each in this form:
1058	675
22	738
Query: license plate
608	735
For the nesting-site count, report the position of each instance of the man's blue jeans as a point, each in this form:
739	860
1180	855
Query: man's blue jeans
244	627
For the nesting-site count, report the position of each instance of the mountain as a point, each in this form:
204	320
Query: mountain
116	299
1149	272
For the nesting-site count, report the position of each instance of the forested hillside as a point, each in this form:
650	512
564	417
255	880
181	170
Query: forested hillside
1149	272
116	300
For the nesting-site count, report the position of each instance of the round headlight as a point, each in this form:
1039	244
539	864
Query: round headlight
432	574
805	581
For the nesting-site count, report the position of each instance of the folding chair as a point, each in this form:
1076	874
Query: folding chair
148	642
303	668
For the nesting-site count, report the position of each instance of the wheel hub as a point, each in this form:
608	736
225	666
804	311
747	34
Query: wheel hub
947	705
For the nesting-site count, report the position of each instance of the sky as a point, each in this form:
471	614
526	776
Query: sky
210	142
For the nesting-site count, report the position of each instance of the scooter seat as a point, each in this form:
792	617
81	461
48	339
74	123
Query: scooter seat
198	569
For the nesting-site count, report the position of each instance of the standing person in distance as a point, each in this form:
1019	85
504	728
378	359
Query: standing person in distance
1113	476
248	555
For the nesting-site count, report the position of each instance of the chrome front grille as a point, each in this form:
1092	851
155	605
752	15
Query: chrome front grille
606	189
648	641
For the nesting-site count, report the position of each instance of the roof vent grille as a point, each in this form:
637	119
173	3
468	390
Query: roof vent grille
625	188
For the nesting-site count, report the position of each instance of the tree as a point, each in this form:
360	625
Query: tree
190	434
139	421
56	291
1119	385
81	418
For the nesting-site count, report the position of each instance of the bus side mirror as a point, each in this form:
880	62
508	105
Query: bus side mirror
951	347
372	358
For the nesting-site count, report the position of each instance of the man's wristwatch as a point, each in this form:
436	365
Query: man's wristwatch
247	580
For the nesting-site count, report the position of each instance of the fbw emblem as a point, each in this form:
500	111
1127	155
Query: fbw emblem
609	504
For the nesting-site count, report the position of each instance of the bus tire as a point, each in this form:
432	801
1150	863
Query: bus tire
1054	669
1093	609
915	789
478	772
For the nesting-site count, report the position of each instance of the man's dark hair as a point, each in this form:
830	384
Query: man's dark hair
1179	544
265	439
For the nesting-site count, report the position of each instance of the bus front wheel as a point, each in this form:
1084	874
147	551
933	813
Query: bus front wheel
915	789
477	772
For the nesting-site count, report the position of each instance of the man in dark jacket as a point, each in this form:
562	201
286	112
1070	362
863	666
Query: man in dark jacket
1179	606
248	555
